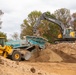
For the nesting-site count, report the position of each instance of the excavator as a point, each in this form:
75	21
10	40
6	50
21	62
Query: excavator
67	33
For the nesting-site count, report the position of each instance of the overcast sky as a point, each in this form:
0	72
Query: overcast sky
15	11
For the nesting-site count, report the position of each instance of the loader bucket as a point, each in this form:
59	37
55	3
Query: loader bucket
27	55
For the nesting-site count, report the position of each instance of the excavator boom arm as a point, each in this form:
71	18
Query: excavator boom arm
44	17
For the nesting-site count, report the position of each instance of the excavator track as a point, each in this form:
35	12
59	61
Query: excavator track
65	40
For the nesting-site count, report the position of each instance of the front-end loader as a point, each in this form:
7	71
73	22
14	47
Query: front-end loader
8	51
21	52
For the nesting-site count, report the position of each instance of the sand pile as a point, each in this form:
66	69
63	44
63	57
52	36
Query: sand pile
9	67
45	55
66	50
63	52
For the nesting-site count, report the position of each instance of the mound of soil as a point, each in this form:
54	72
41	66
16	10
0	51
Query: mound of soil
9	67
63	52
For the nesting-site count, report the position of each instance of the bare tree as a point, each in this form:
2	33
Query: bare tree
63	15
15	36
1	13
74	20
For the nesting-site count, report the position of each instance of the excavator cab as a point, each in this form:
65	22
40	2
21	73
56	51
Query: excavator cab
2	41
70	33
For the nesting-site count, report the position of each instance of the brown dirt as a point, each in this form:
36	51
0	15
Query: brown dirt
67	51
59	59
63	52
46	55
8	67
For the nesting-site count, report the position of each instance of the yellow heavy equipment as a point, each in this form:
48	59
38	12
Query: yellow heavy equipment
21	52
8	51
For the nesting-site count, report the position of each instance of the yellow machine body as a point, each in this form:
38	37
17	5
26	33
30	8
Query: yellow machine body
5	50
69	33
60	36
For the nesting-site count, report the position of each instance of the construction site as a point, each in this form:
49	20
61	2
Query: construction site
51	51
36	56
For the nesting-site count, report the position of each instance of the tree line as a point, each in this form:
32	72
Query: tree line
46	29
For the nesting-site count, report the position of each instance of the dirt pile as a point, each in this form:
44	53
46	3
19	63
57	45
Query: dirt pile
46	55
63	52
9	67
66	50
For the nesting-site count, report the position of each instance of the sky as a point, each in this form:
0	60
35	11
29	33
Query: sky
15	11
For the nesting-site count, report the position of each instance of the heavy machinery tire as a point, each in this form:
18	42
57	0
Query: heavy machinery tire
16	55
